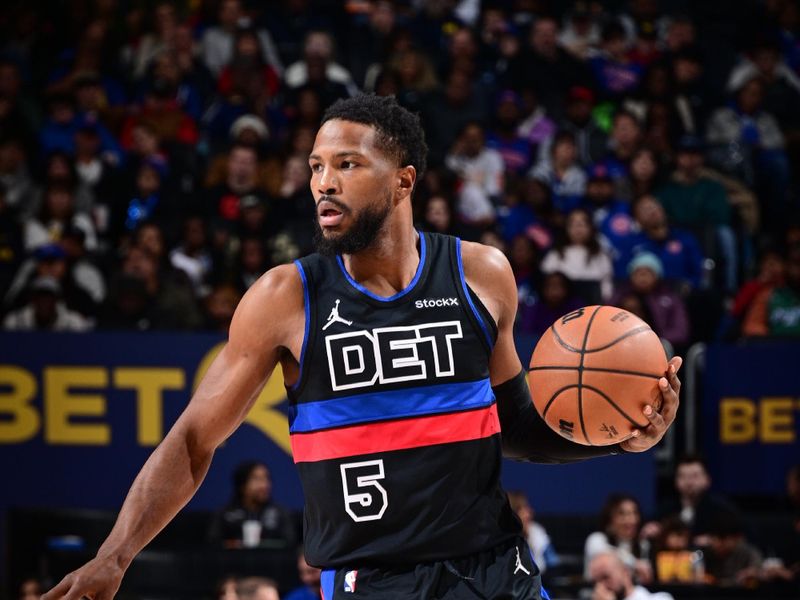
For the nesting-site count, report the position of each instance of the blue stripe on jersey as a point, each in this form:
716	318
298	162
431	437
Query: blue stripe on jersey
328	583
469	297
307	307
394	404
399	294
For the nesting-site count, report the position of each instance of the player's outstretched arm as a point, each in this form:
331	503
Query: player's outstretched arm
261	327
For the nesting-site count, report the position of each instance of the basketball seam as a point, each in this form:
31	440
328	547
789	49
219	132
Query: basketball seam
554	396
580	375
598	369
566	346
614	404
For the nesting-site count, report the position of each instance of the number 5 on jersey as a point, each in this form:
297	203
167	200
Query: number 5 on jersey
364	498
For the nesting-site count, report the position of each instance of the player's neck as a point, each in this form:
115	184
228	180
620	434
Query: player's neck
389	265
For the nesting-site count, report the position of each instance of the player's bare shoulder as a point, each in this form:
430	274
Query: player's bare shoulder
272	309
489	274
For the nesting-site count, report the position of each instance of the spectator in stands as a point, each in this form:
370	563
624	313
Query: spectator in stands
536	126
11	249
547	67
170	300
776	311
480	171
730	559
700	204
591	140
612	580
45	310
257	588
678	250
644	172
193	255
82	271
524	261
247	61
148	201
544	554
79	285
56	215
310	577
562	173
748	142
30	589
223	200
611	217
695	503
252	262
318	64
252	501
504	136
771	274
621	523
447	113
624	141
578	254
15	174
553	298
438	215
581	32
218	40
614	72
156	41
664	309
781	83
226	589
220	304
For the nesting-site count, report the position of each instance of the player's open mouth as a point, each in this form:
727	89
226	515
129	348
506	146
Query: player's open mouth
329	215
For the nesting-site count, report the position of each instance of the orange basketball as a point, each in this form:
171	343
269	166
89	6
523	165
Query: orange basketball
593	372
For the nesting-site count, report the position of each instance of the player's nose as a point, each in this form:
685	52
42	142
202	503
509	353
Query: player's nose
328	183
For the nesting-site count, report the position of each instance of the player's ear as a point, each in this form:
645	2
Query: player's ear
406	177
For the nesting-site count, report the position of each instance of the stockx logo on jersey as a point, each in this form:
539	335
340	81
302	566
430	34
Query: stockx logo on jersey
358	359
435	302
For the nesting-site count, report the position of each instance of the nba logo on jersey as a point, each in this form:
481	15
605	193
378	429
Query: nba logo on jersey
350	581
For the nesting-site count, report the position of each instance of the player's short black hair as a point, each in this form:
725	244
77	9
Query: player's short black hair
399	132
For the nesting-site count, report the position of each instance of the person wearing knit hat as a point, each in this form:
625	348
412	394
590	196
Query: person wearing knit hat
655	302
249	129
646	260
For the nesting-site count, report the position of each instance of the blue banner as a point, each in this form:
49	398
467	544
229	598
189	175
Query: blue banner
751	416
80	414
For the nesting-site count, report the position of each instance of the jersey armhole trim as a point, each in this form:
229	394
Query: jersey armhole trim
307	310
467	294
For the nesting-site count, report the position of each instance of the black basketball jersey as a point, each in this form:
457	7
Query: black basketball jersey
393	422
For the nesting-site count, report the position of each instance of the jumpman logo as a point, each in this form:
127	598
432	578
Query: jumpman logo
520	566
334	317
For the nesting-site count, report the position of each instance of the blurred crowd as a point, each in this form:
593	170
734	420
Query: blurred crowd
153	155
696	538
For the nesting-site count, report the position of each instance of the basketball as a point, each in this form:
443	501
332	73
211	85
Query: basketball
593	372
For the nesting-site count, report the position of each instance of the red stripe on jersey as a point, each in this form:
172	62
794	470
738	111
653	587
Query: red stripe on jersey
400	434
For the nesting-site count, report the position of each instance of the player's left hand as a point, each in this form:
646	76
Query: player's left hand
660	419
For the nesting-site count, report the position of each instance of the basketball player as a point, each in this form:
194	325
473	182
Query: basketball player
397	350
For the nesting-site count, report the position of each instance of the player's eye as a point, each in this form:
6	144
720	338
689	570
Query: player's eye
348	164
316	168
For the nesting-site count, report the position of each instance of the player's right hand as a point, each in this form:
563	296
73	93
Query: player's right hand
99	579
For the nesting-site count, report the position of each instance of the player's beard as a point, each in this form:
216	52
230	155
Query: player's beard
361	234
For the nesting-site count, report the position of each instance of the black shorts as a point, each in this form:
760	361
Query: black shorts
505	572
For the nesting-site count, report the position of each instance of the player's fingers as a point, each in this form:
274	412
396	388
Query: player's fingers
669	399
672	373
59	590
655	418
